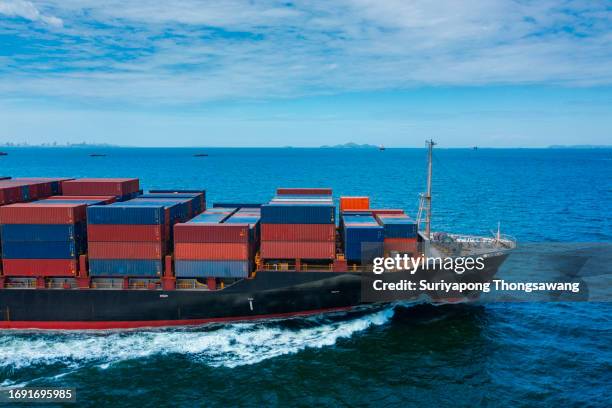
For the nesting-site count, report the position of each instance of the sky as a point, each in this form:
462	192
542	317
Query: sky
498	73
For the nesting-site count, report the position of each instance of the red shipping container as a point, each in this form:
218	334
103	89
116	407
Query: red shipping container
304	191
105	199
375	211
124	232
125	250
298	232
39	267
214	251
31	213
9	194
100	186
201	232
297	250
401	245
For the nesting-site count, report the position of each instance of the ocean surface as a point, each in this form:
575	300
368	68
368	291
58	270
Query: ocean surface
498	354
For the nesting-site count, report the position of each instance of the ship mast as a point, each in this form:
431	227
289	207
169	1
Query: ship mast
430	145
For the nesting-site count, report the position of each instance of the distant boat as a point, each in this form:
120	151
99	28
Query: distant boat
97	155
3	154
200	155
381	147
475	147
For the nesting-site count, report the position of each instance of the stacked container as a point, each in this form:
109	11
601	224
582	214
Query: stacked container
127	239
218	243
19	190
354	203
198	197
42	238
362	236
400	233
299	224
122	188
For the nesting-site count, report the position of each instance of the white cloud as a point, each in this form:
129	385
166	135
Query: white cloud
27	10
188	52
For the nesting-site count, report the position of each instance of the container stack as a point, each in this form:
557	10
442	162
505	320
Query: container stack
127	240
122	188
42	239
400	233
362	237
299	224
218	243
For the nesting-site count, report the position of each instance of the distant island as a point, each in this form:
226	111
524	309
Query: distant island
55	144
580	147
350	145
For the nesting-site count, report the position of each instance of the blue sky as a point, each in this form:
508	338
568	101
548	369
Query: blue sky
268	73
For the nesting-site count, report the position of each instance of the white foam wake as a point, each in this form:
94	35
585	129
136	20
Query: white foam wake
229	346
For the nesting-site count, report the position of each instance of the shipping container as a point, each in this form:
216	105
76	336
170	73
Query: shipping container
298	232
362	236
201	195
297	214
304	190
5	177
125	232
237	205
216	269
176	209
212	251
397	225
125	250
295	250
200	232
54	182
118	213
400	245
10	194
125	267
374	211
42	249
42	232
100	199
48	213
354	203
39	267
119	187
211	217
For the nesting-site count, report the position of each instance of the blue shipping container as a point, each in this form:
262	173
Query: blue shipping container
362	237
43	232
216	269
398	227
126	214
42	250
298	214
125	267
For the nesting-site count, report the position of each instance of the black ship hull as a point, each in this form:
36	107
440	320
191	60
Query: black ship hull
267	295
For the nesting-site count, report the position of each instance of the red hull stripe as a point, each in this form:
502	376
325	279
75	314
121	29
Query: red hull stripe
105	325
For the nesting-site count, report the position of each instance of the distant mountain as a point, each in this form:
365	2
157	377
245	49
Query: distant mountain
351	145
580	147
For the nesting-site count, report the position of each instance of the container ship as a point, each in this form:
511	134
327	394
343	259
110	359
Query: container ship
102	254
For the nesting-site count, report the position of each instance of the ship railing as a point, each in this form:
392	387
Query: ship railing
462	244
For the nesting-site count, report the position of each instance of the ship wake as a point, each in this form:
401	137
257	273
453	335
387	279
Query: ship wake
229	345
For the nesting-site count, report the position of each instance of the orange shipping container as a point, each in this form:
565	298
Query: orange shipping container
354	203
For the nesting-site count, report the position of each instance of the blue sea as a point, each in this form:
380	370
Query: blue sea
496	354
